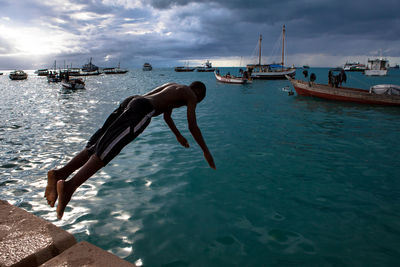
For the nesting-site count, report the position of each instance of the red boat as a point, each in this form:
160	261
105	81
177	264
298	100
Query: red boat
376	95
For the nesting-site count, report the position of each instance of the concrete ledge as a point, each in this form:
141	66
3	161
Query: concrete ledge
86	254
26	240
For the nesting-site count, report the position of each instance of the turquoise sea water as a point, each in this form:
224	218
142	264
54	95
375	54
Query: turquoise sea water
299	181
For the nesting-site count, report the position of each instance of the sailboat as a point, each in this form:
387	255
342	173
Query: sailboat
271	71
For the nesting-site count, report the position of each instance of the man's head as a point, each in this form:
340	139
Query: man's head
199	89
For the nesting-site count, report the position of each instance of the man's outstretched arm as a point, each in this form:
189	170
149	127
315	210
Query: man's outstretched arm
195	131
168	119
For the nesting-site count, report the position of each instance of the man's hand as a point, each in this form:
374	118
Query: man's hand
210	160
182	140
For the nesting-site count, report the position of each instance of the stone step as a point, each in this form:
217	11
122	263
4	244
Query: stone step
27	240
88	255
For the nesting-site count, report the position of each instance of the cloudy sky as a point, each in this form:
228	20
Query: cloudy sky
166	33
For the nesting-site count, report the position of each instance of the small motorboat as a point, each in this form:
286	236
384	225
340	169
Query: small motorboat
73	84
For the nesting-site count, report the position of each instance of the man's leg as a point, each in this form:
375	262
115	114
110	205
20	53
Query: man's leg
61	174
65	189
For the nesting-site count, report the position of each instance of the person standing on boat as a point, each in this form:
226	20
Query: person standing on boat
122	127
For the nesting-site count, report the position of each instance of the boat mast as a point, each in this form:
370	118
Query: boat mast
259	51
283	45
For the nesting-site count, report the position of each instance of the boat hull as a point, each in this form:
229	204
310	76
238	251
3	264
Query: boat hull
273	75
178	69
344	94
233	80
73	85
375	72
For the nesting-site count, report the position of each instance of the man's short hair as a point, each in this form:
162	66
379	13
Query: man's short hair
199	89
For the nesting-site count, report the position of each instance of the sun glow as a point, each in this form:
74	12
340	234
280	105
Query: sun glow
37	42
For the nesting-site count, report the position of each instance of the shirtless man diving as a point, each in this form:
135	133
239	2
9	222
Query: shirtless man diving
122	127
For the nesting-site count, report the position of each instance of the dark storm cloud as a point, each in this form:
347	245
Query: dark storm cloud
184	29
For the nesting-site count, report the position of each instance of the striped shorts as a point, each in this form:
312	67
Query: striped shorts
121	127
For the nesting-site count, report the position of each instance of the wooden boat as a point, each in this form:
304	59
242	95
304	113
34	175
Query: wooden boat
271	71
231	79
18	75
344	93
73	84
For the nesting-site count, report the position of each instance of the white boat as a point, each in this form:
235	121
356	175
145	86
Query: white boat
206	68
231	79
354	66
271	71
147	67
377	67
385	89
18	75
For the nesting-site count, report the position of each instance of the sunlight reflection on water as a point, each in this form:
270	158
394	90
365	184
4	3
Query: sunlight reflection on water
296	178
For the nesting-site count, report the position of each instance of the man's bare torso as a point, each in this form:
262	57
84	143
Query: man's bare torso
169	96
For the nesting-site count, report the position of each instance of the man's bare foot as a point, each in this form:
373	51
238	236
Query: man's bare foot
63	198
51	188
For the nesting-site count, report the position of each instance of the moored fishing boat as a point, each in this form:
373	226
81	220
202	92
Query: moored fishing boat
271	71
42	72
378	95
184	69
18	75
206	68
90	67
377	67
53	76
354	66
232	79
114	71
